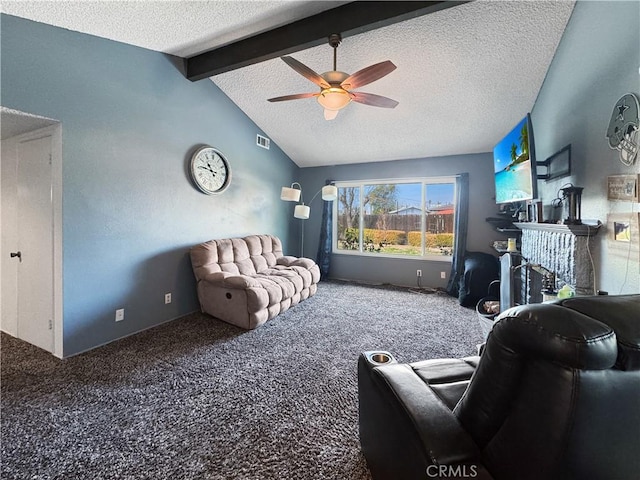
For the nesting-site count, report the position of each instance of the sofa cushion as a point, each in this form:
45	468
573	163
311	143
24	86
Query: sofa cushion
448	378
264	250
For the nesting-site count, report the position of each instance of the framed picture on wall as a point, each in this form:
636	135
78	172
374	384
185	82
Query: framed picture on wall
622	231
624	235
623	187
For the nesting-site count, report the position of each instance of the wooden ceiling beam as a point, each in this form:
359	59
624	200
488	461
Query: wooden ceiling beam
349	19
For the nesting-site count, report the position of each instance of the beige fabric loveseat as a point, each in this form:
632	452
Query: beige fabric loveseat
247	281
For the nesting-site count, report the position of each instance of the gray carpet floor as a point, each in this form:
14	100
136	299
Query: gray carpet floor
199	399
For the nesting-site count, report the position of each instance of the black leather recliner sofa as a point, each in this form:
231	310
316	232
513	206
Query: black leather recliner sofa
554	395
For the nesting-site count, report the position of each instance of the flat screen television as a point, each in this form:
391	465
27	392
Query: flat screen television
514	165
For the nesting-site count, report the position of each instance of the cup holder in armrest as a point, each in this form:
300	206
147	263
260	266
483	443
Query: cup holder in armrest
376	358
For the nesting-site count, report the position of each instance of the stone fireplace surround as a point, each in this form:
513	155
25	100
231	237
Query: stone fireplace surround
562	249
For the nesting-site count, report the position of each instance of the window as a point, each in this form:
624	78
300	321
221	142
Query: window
409	218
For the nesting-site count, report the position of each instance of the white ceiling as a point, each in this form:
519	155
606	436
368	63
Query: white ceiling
465	75
13	122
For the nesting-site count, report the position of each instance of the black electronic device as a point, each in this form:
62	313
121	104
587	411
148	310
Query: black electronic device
514	165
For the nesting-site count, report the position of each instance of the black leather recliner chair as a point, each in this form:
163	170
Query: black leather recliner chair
555	395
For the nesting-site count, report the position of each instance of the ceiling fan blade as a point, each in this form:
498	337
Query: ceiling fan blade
330	114
373	100
293	97
305	71
368	75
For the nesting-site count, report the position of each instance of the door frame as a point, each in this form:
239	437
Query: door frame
55	132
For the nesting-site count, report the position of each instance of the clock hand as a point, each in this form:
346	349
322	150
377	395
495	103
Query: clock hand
209	169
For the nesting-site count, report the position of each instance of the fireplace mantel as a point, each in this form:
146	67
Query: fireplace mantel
562	249
583	230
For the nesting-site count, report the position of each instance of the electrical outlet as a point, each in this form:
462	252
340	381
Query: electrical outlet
443	274
119	314
167	298
419	273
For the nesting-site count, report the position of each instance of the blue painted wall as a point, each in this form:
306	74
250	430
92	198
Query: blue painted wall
402	271
597	61
130	212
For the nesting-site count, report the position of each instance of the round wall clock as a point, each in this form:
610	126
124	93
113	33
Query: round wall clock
210	170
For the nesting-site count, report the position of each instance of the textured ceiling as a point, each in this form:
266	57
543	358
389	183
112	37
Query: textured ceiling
14	123
465	75
179	27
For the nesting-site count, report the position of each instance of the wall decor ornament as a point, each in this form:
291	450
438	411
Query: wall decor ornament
623	187
624	236
210	170
623	128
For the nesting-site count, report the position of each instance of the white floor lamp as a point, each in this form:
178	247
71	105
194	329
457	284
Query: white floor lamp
302	211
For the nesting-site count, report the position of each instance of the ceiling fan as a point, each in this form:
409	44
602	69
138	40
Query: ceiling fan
336	87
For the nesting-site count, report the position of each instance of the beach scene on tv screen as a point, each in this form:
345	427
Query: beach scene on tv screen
512	166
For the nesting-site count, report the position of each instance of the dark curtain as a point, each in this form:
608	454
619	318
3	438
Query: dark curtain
461	227
323	258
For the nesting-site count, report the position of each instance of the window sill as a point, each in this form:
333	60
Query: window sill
428	258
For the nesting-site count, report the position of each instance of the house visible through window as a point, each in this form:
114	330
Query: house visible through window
405	218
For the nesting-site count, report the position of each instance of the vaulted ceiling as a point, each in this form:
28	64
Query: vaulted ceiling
465	74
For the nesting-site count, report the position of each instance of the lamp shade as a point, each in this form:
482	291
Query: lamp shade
301	211
330	114
334	98
329	193
290	194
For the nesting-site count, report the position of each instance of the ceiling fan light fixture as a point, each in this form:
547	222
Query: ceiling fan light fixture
334	98
330	114
336	86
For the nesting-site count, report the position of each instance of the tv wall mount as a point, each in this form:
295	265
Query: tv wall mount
557	165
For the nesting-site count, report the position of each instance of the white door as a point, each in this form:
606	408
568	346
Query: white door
35	243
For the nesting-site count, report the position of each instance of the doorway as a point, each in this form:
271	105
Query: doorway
31	246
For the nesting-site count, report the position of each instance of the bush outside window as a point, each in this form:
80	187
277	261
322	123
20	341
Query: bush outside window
405	218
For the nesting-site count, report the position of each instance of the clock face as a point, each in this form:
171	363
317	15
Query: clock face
210	170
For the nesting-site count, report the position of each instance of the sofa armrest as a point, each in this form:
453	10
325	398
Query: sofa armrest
216	277
405	428
289	261
230	280
446	442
